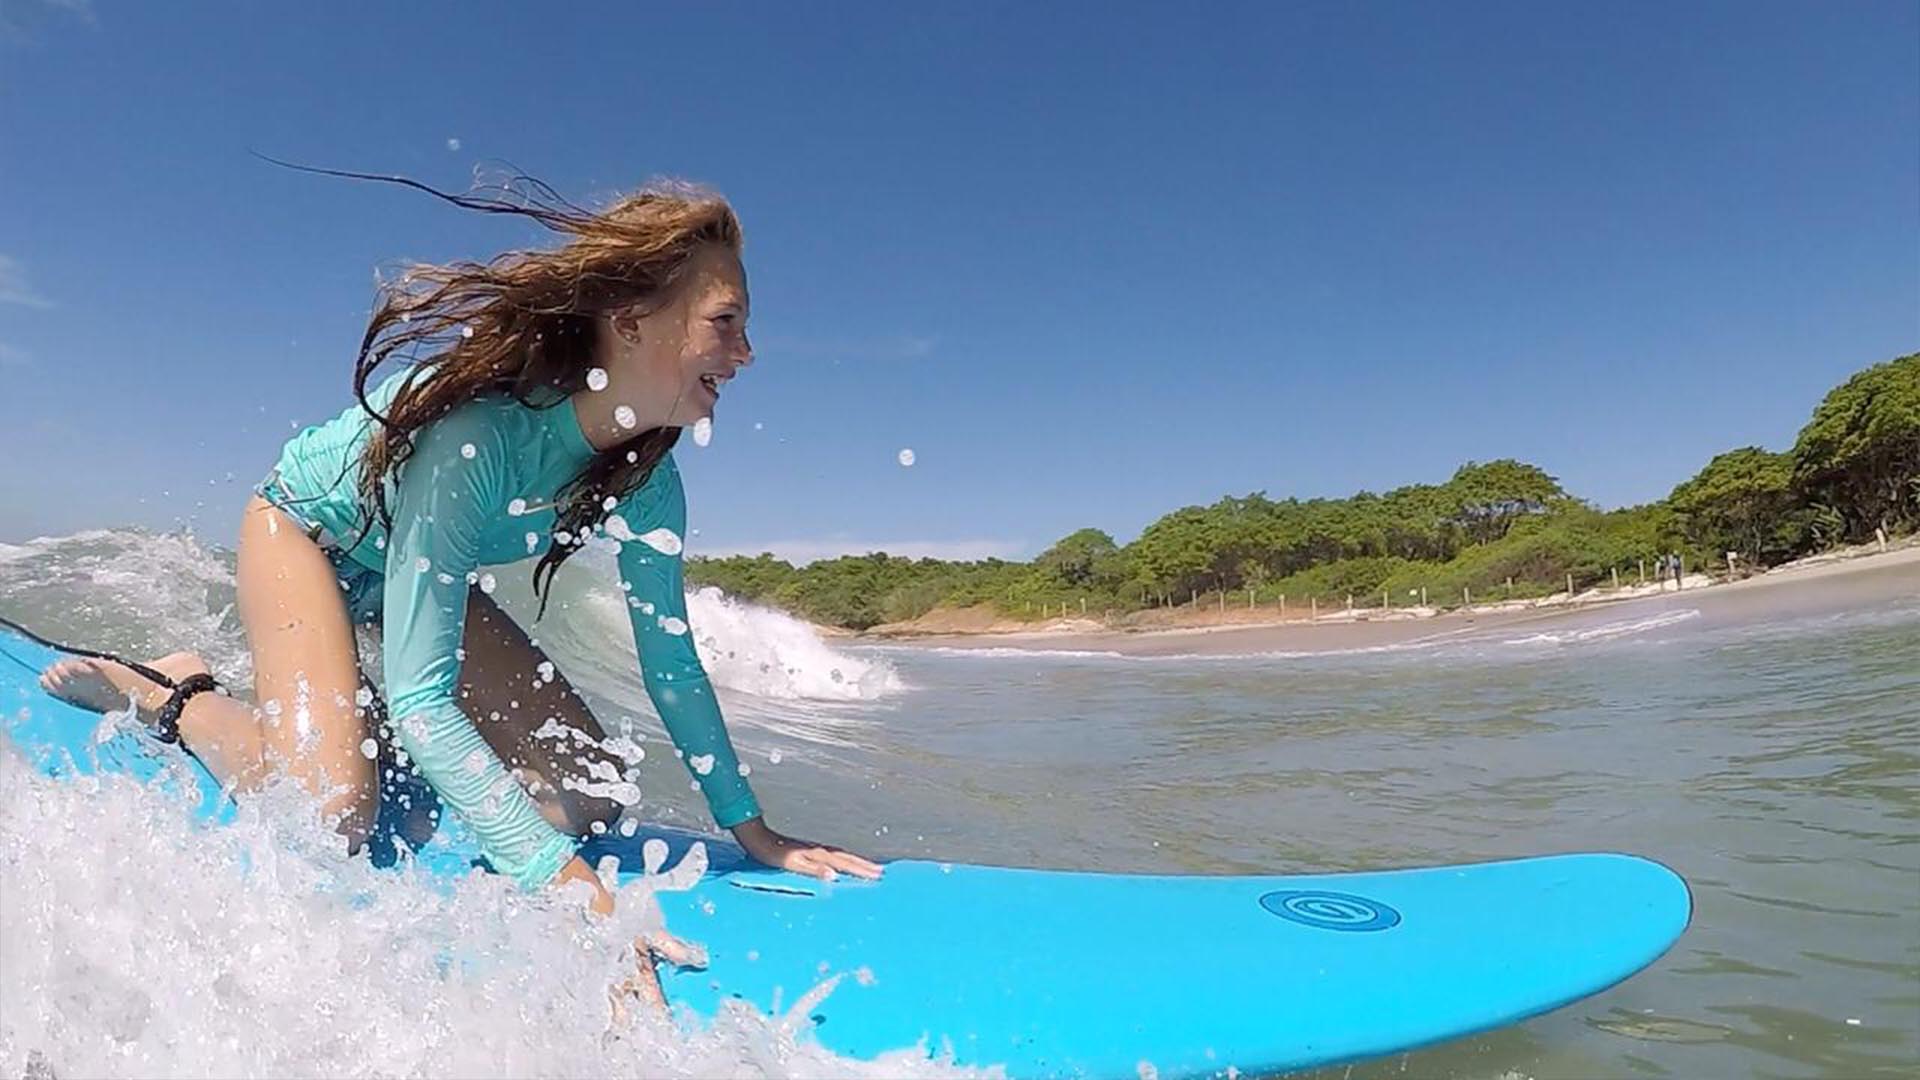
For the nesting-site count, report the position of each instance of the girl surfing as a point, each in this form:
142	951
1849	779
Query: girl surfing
544	394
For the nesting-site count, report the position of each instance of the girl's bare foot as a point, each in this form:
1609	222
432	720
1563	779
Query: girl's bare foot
105	686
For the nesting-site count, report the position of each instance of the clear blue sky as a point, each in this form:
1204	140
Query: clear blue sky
1090	263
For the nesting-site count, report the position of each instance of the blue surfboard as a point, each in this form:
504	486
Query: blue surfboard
1055	974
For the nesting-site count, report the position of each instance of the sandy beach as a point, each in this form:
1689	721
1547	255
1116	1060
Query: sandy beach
1830	582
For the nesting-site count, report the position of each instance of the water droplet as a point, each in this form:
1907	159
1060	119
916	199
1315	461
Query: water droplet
629	827
746	769
596	379
369	749
653	855
516	507
906	458
533	542
672	625
609	503
773	757
625	418
466	331
422	564
702	763
487	584
662	540
453	144
703	431
467	450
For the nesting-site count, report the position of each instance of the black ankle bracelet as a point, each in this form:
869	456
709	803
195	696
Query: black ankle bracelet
166	724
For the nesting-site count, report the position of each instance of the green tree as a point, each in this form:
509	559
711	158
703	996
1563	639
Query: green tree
1177	550
1860	453
1744	500
1074	558
1488	497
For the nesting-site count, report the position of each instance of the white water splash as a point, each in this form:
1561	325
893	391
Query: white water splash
128	591
180	963
1609	630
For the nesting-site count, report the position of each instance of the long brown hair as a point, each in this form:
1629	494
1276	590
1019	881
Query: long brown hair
523	325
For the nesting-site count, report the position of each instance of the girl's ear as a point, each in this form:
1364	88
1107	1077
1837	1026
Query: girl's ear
627	325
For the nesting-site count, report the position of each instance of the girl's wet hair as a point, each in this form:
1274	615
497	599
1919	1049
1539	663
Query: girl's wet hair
523	325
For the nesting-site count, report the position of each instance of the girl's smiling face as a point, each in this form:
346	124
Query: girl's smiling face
667	367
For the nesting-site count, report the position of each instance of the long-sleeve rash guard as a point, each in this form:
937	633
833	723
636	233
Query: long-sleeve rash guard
479	490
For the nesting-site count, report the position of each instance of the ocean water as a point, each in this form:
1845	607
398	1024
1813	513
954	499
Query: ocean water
1768	751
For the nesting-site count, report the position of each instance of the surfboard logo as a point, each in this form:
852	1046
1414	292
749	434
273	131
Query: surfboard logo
1330	910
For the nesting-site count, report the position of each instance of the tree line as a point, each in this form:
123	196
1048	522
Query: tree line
1493	530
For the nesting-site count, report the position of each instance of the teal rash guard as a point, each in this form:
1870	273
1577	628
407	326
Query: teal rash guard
479	490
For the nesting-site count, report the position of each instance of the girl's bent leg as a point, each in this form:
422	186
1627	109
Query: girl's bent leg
304	668
510	690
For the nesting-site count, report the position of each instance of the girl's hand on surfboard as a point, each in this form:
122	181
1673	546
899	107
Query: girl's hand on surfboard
644	986
800	856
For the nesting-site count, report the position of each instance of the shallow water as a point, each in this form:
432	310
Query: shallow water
1771	759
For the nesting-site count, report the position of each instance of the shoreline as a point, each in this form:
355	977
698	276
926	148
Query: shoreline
1814	583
